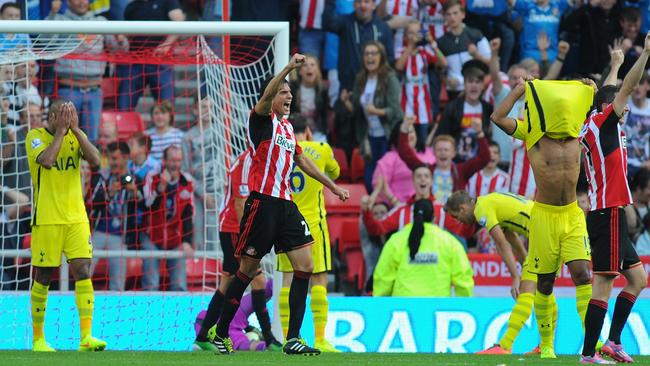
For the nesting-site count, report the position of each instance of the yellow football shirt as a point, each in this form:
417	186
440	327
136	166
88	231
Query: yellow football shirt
553	108
307	192
510	211
58	197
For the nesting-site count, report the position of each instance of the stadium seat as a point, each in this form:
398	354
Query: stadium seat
357	165
349	239
127	122
356	273
196	267
109	92
334	225
342	159
352	206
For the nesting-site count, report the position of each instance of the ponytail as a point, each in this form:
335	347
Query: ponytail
422	212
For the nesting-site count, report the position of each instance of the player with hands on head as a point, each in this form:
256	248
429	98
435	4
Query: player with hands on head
271	218
59	219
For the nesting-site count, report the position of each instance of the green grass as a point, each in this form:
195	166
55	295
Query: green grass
17	358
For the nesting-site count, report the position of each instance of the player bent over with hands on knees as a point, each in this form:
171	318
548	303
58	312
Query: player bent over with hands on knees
270	218
59	220
557	229
505	216
605	157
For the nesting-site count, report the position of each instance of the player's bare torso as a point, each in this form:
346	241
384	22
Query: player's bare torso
556	165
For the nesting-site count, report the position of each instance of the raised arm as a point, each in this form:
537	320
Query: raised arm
88	150
331	21
617	58
556	67
406	152
495	77
500	114
632	78
263	106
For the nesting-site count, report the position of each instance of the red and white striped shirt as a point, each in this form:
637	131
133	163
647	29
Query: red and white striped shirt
522	180
406	8
432	19
605	156
236	187
402	215
481	184
273	144
311	13
416	97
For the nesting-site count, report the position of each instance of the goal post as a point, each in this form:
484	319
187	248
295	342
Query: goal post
231	89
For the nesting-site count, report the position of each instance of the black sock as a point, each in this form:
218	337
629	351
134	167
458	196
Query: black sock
233	296
262	313
594	318
211	316
297	302
624	303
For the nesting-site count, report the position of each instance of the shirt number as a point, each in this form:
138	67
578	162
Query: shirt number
304	224
297	181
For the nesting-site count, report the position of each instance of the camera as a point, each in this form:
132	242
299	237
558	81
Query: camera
126	179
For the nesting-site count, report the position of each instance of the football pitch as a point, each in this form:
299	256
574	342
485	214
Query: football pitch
16	358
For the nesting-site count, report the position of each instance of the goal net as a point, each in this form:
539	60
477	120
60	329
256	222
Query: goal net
135	98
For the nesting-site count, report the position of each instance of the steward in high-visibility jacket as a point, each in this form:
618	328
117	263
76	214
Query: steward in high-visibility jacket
423	260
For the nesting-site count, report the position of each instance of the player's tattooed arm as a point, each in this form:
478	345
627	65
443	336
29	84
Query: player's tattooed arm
500	114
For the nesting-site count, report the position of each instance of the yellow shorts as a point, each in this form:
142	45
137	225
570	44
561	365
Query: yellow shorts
321	251
526	275
50	241
556	234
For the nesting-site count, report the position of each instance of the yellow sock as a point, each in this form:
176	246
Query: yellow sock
319	308
520	313
284	310
85	299
544	313
38	300
583	295
554	302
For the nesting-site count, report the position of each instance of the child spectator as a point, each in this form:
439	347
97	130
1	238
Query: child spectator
460	44
162	133
491	178
457	119
420	52
540	18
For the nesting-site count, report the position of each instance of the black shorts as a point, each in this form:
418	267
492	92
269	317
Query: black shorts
271	222
611	248
228	242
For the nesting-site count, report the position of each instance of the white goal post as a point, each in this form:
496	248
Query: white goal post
43	50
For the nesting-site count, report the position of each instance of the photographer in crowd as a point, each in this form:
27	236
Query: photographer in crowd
112	202
169	198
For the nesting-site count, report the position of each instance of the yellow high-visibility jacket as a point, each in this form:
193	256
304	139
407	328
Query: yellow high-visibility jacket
441	262
554	108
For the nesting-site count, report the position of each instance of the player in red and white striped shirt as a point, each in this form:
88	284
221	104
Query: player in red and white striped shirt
612	253
231	211
415	61
489	179
522	180
311	38
270	218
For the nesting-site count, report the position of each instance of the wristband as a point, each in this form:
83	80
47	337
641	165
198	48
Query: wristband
558	58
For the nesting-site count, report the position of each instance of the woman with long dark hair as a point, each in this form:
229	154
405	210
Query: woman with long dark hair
423	260
374	106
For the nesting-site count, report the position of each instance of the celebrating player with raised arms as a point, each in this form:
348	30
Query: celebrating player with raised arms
271	219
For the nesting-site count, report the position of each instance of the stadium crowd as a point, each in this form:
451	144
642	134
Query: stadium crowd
402	89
